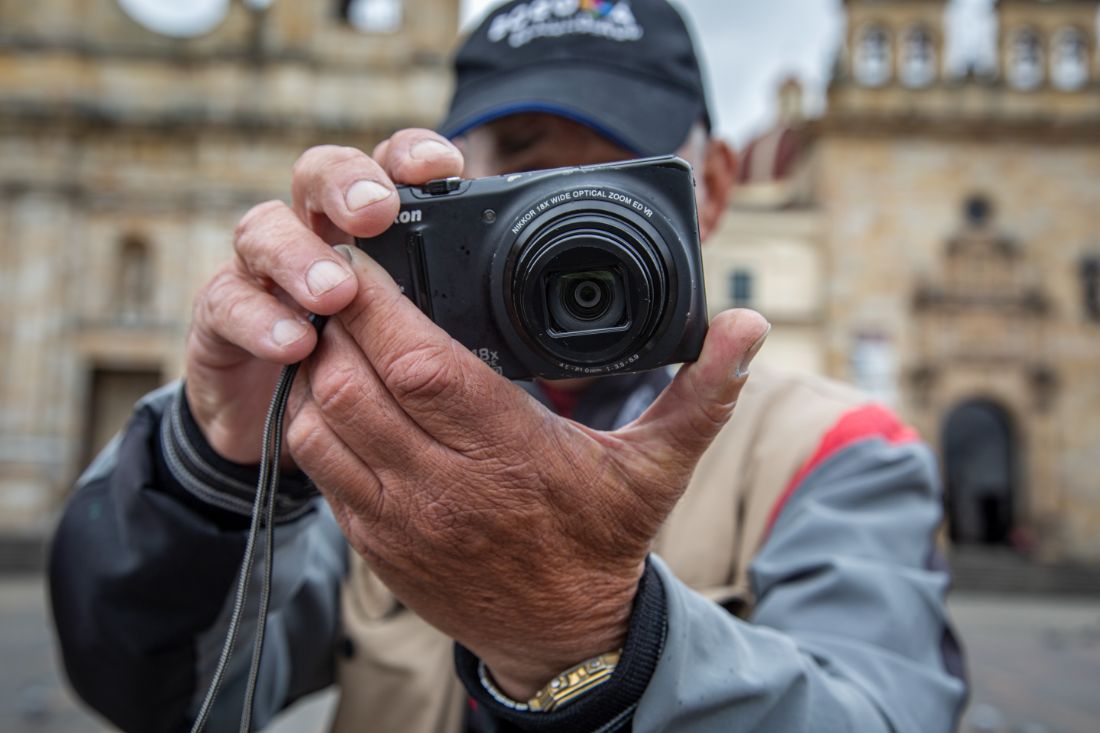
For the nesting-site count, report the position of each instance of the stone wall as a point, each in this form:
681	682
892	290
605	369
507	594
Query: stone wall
891	206
128	159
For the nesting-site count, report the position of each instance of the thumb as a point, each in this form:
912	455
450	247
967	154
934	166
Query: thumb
680	425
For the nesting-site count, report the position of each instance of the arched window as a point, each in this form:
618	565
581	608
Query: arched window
1069	60
1025	60
373	16
872	56
918	58
134	289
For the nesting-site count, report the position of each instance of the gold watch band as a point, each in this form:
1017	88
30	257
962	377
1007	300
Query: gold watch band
563	689
574	682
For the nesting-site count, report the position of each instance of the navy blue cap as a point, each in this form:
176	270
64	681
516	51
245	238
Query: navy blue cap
625	68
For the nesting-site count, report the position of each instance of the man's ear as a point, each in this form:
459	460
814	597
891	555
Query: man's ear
719	173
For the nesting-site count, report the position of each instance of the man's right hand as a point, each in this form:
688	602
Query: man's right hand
250	318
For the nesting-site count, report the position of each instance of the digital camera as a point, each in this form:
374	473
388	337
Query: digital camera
570	272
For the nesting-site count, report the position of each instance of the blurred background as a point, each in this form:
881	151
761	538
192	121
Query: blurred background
918	213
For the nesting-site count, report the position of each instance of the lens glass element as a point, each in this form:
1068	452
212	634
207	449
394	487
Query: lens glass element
583	301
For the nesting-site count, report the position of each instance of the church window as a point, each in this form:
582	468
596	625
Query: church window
1069	60
918	58
1025	60
134	288
978	210
741	287
1090	286
872	56
373	16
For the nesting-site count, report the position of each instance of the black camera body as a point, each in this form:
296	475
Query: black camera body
570	272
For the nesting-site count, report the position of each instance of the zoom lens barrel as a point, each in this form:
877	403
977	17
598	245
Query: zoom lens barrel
588	286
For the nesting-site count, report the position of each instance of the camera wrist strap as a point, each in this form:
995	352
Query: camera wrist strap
263	516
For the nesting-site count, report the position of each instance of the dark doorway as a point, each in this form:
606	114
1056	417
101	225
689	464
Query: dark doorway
979	457
111	399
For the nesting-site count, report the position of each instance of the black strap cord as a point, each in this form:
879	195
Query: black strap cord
263	515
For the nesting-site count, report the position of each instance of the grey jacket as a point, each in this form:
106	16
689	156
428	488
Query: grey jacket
797	587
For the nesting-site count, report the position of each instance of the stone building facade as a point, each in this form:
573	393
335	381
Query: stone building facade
131	143
954	222
934	238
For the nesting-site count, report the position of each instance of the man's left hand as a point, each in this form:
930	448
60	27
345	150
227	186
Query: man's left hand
518	533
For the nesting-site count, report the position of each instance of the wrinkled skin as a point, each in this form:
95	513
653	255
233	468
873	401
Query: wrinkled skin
519	533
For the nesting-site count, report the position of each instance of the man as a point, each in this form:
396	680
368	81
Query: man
477	514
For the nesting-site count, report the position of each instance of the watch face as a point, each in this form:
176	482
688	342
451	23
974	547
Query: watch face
177	18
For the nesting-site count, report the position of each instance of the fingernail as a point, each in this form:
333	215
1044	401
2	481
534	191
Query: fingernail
742	370
429	149
324	275
365	193
287	331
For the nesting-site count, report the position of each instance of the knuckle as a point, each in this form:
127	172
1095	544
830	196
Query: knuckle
338	390
710	418
373	299
306	437
213	299
236	308
312	156
412	135
428	372
254	217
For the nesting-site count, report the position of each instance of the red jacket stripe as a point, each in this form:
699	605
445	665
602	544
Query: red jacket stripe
862	423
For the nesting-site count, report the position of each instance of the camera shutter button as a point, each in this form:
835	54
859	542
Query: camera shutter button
442	186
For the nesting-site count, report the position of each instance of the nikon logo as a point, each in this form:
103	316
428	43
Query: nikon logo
408	217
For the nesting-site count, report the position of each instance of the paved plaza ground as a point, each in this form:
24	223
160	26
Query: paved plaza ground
1034	661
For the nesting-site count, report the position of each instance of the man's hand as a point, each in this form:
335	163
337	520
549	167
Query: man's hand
519	533
250	318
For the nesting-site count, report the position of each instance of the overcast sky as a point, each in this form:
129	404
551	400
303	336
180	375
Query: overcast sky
752	45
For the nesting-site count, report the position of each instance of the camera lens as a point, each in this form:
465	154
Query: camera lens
586	300
588	287
587	296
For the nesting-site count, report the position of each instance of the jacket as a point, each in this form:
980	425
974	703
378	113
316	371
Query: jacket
795	587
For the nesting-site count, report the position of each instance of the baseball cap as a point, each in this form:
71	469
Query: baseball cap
625	68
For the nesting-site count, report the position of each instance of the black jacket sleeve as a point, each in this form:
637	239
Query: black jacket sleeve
143	563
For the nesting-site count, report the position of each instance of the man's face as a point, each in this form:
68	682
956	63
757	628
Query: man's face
536	141
533	142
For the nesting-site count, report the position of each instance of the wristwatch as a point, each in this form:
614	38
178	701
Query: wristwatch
563	689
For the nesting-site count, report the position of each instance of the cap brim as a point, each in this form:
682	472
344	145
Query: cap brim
639	115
